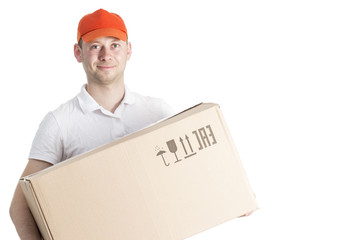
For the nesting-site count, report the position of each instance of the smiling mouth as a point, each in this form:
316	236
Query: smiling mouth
105	67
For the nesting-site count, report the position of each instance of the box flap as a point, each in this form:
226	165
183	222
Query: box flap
35	208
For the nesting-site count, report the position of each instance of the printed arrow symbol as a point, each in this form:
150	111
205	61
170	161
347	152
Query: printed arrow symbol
187	139
182	143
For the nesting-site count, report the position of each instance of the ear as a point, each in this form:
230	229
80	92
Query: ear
129	50
77	52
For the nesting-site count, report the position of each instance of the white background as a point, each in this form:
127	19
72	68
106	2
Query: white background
285	73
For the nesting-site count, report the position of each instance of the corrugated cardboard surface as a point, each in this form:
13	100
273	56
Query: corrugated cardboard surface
169	181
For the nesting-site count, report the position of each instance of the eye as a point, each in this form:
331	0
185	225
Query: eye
95	47
116	45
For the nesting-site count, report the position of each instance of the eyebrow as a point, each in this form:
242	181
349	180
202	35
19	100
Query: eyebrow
115	40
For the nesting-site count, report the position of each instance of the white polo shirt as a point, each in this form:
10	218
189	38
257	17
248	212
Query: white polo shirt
81	124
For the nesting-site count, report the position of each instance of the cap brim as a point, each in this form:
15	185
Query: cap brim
104	32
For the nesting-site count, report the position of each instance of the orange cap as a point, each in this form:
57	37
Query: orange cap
101	23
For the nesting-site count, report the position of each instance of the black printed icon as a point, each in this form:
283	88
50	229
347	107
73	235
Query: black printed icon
173	148
160	153
192	153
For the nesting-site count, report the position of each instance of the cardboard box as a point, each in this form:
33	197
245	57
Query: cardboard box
169	181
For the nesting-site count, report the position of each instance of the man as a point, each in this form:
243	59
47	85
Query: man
103	111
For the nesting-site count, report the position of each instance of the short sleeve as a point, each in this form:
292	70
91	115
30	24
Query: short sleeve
47	144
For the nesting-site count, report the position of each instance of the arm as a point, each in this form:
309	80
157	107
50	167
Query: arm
19	211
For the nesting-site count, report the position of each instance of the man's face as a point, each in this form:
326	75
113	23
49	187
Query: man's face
104	59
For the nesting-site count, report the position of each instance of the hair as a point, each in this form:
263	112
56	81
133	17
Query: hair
80	43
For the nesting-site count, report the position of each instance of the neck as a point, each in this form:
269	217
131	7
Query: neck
107	96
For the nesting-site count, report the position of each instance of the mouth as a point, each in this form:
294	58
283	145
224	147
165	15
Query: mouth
105	67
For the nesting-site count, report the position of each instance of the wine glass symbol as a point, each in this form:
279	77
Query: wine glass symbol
173	148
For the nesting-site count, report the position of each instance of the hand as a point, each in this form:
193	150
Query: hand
247	214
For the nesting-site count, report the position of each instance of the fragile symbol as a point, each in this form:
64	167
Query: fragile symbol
173	148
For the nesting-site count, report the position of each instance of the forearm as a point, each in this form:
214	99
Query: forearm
22	218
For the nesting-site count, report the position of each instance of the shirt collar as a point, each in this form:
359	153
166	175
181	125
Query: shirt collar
129	97
88	103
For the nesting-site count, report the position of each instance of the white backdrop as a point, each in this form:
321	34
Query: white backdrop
285	73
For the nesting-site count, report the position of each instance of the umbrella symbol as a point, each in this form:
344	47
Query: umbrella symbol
160	153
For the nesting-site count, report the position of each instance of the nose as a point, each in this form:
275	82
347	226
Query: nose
104	54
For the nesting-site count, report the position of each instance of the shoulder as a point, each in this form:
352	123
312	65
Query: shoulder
67	108
153	105
70	106
59	116
64	114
